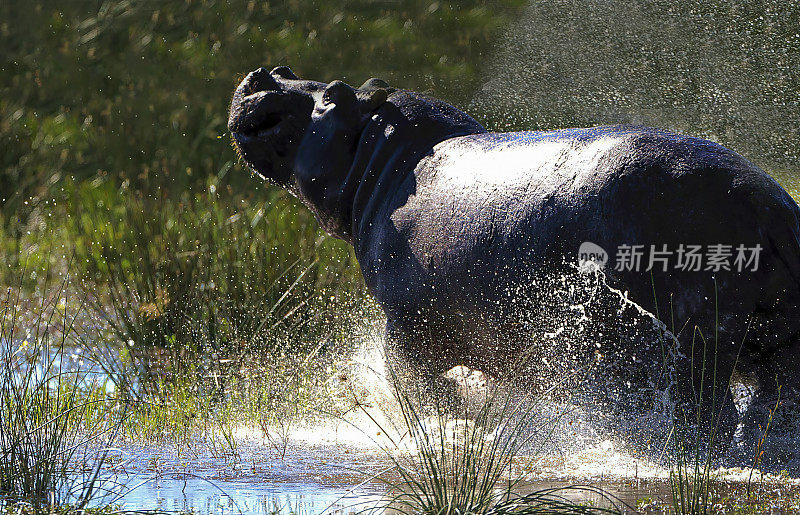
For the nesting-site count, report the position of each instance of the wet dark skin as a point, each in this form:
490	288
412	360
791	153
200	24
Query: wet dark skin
450	223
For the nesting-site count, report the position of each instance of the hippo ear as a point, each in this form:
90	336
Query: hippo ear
374	83
338	92
284	72
371	100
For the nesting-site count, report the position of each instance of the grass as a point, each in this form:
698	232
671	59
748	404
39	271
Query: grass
291	391
200	288
55	420
694	484
197	302
691	481
203	321
691	477
447	465
455	465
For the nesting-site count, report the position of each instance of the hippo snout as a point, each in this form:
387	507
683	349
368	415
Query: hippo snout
265	98
269	113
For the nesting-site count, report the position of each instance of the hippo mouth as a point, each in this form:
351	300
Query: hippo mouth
270	142
268	132
268	121
261	113
270	124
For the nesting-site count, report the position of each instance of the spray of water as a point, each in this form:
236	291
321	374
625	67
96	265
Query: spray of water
610	406
720	70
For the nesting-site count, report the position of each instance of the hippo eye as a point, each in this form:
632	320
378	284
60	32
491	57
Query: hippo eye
338	92
284	72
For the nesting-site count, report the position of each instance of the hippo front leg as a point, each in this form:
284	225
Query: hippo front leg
416	364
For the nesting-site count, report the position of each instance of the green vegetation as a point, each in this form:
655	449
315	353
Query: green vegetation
691	478
25	509
463	465
54	417
203	287
60	414
136	93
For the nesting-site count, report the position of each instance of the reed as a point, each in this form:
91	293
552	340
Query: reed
56	421
466	465
199	289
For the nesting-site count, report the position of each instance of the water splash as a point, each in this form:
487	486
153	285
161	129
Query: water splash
612	399
719	71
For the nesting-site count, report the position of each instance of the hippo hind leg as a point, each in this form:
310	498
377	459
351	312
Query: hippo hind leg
771	418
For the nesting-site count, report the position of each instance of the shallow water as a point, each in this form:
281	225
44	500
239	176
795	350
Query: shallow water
330	478
254	479
331	465
246	496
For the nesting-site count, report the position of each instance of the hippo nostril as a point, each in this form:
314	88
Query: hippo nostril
260	80
259	111
270	121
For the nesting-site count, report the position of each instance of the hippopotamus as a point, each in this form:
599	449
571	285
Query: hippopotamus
453	226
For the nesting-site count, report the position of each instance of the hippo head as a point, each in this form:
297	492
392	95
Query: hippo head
274	114
269	114
320	141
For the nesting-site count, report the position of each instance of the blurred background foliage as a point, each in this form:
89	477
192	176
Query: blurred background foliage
114	151
138	91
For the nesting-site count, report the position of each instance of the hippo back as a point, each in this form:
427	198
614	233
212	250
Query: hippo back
484	214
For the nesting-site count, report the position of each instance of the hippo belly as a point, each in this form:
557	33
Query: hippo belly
485	216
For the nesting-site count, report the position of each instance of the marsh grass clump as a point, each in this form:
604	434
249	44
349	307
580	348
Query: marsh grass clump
691	479
199	289
464	465
56	419
174	412
698	436
691	475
